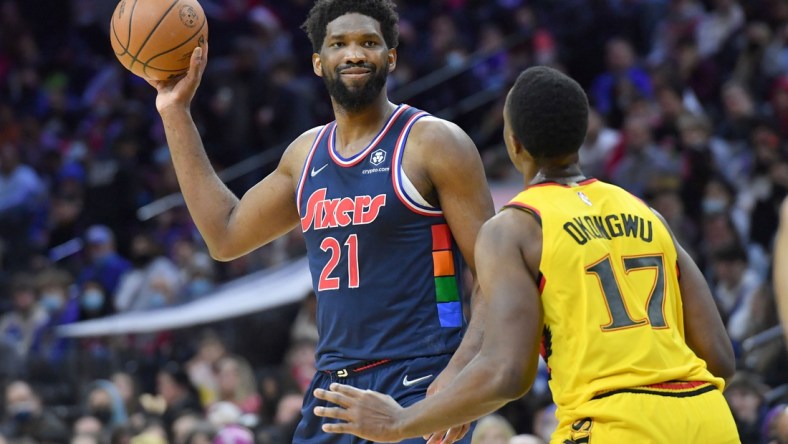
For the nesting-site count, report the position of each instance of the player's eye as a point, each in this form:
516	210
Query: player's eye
336	45
370	43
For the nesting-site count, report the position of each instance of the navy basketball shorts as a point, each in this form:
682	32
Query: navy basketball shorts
404	380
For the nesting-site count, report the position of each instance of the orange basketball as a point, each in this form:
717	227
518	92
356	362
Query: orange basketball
154	39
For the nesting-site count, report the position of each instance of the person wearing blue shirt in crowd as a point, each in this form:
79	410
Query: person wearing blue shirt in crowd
106	265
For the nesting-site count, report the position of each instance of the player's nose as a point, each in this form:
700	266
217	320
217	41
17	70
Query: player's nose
354	54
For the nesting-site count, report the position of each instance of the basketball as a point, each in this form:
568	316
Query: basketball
154	39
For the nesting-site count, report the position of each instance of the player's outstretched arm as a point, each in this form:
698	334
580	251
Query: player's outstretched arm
780	268
504	368
704	330
452	164
230	226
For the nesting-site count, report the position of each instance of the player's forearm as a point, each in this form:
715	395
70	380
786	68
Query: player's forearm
474	335
209	201
481	388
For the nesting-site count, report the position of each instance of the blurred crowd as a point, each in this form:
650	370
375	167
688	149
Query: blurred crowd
690	113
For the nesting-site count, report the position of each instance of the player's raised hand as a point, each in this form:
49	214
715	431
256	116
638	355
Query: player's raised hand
180	90
367	414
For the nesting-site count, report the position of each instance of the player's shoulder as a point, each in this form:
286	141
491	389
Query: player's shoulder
296	152
516	226
441	139
430	129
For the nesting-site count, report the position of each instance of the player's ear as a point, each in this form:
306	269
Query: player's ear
317	65
392	59
517	147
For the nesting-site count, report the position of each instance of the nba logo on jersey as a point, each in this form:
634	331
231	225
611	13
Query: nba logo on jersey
377	157
584	198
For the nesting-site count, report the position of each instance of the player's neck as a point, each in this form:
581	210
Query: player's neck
557	173
356	129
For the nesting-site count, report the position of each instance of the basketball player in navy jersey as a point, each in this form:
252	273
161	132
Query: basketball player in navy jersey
390	200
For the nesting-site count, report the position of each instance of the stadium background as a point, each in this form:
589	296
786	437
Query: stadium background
691	114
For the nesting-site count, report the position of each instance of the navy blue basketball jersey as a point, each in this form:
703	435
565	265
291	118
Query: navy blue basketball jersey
385	268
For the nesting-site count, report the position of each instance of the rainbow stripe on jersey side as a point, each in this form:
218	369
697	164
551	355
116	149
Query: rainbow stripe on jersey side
447	294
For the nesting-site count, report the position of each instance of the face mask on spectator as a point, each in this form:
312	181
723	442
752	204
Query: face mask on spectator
21	411
157	300
92	300
713	206
102	413
200	287
52	302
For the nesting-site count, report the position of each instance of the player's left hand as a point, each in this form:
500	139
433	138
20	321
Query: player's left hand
367	414
455	433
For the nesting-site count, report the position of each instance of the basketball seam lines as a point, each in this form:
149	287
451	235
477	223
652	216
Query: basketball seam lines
147	64
128	40
150	34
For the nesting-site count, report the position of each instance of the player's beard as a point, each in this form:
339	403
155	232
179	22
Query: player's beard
358	97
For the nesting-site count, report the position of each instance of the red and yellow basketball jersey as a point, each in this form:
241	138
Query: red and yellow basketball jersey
610	293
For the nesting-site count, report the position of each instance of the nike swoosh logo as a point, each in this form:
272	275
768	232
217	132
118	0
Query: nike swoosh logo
315	172
409	382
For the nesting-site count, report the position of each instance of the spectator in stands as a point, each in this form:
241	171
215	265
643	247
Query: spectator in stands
128	392
104	402
600	142
105	265
644	162
735	291
716	27
624	81
57	298
21	325
21	196
492	429
202	367
746	396
27	418
88	426
526	439
152	283
740	115
178	392
237	384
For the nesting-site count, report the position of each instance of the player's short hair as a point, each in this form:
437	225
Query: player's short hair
325	11
548	112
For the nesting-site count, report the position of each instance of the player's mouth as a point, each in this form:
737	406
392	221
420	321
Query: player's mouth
355	72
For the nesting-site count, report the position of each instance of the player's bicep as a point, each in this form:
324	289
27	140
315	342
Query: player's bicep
514	313
268	209
461	185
